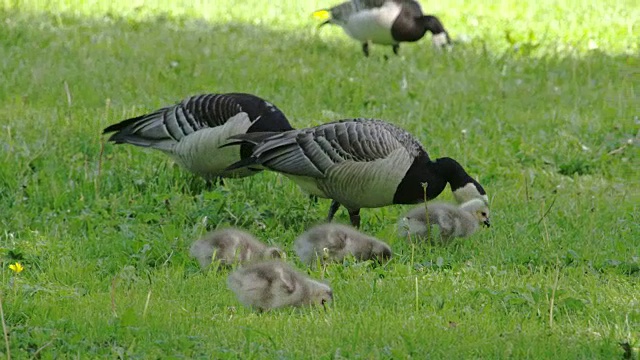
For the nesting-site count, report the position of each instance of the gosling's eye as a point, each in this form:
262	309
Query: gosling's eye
483	214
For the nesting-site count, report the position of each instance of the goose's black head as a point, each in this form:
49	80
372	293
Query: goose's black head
440	37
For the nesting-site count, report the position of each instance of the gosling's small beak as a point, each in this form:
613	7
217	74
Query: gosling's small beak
487	223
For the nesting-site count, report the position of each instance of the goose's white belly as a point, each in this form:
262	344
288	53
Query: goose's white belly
200	151
373	24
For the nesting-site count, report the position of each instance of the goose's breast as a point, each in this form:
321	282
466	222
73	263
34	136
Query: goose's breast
373	24
366	184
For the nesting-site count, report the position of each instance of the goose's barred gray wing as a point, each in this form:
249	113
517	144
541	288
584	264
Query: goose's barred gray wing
168	125
342	12
311	152
193	131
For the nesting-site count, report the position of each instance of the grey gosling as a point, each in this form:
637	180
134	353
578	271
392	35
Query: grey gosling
275	284
335	242
231	246
359	163
453	221
192	131
386	22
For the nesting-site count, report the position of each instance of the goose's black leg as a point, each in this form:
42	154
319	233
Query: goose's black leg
354	216
365	49
333	209
396	48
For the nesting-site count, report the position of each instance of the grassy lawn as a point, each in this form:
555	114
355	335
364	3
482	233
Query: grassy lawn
539	101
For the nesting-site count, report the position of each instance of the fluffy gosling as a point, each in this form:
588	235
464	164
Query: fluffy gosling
453	221
334	242
229	246
274	284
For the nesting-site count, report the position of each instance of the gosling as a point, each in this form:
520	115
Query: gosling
274	284
453	221
335	242
229	246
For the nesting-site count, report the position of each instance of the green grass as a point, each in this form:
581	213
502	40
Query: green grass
548	124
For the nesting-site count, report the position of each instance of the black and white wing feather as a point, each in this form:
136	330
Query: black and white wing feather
163	128
313	151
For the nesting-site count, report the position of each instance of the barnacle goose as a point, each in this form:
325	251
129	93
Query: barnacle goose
335	242
231	245
359	163
386	22
274	284
192	131
453	221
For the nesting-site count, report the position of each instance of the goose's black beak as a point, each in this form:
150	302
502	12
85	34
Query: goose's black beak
487	223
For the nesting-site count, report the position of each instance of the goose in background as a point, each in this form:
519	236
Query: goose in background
453	221
386	22
274	284
192	131
231	246
359	163
335	242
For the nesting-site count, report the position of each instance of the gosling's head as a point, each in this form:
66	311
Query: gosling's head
273	253
479	210
321	293
381	251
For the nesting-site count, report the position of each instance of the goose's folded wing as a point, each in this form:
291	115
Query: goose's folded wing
163	128
343	11
311	152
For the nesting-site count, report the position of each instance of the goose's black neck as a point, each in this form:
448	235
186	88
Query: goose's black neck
432	24
435	175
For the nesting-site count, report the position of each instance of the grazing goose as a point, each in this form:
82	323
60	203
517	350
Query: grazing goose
359	163
386	22
335	242
274	284
453	221
230	246
192	131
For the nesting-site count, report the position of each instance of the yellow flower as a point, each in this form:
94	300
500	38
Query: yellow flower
17	267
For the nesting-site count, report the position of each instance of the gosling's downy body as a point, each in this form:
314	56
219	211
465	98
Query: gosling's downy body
231	246
359	163
275	284
334	242
453	221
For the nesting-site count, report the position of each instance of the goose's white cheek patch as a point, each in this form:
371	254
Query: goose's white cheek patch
439	40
